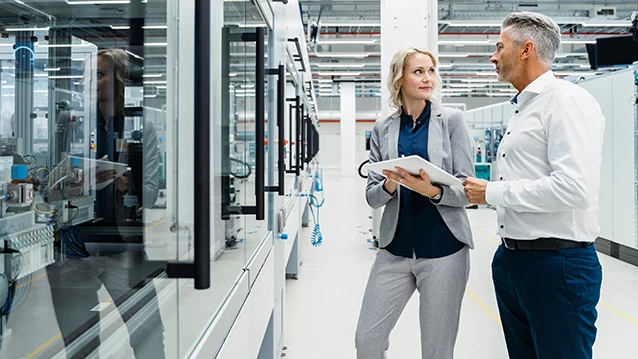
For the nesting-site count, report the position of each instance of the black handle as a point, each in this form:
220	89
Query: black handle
260	124
281	104
302	144
299	56
200	268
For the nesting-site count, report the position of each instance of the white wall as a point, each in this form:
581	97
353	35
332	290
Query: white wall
330	144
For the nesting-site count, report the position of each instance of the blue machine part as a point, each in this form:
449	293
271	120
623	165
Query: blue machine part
74	162
19	172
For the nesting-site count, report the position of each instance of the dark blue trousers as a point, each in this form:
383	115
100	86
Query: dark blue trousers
547	301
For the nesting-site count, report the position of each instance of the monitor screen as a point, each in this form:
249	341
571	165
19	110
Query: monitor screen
616	51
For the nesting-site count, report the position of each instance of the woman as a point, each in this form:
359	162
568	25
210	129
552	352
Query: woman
425	233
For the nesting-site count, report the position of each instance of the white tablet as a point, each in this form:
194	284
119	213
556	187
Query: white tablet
413	165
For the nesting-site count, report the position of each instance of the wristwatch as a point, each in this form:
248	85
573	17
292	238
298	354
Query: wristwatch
438	196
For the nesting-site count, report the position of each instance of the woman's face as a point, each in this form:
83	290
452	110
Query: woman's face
105	80
419	78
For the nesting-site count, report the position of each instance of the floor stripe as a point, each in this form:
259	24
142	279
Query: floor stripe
486	236
484	306
620	312
44	346
31	280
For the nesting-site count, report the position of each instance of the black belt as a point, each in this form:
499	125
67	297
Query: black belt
542	244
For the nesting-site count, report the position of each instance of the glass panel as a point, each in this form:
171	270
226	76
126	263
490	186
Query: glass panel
84	143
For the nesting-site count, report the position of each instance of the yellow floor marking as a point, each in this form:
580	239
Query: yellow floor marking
483	305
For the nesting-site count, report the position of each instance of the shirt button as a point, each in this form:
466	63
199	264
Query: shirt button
509	133
501	178
503	155
502	226
516	111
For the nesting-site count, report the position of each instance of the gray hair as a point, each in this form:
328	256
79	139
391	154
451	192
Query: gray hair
538	28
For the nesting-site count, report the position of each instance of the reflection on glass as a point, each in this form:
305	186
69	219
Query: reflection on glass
83	219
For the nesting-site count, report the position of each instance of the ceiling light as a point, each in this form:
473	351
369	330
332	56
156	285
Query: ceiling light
576	73
607	24
468	85
346	42
340	65
120	27
155	44
453	55
152	75
27	29
445	66
464	42
334	54
472	24
338	73
251	25
323	80
486	74
492	94
154	82
52	69
62	77
99	2
155	27
578	41
150	96
352	24
479	80
6	45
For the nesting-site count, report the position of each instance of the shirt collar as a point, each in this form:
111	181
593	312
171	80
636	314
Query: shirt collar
534	88
407	119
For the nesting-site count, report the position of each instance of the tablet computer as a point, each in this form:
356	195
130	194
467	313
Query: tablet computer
413	165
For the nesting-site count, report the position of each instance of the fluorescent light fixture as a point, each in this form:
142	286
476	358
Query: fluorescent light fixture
251	25
41	91
134	55
445	66
578	41
77	59
509	90
152	75
335	54
475	64
27	29
249	86
464	42
7	68
486	73
453	55
10	87
468	85
150	96
339	65
99	2
338	73
502	94
351	24
456	90
607	24
324	80
155	44
52	69
8	94
120	27
155	27
62	77
472	24
154	82
347	42
4	81
324	86
6	45
40	75
479	80
575	73
163	87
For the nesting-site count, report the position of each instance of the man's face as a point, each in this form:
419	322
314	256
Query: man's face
505	57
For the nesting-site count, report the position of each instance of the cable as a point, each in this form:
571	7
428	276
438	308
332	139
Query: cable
361	167
245	164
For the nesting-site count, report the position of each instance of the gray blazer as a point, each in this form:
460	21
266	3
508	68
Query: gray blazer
449	148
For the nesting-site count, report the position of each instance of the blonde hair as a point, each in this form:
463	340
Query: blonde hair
397	66
118	58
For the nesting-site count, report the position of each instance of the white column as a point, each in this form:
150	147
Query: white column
405	24
348	129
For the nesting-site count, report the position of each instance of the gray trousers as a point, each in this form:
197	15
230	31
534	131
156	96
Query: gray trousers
441	284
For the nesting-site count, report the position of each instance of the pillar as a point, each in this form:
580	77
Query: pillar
348	129
404	24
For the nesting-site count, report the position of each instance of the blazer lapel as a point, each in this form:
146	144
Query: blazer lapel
435	133
393	135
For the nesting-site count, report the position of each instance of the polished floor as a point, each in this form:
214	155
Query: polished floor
323	303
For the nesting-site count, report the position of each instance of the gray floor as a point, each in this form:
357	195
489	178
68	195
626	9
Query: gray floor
323	304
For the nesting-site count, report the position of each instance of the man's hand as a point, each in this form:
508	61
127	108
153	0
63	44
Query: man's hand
475	190
121	183
420	184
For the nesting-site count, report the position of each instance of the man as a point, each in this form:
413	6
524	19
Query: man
546	273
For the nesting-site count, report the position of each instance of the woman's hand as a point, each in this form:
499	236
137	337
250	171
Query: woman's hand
420	184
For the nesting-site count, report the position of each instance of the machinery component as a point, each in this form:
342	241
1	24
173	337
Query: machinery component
19	195
78	210
32	250
16	222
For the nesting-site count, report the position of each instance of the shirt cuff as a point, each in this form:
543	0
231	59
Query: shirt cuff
495	193
388	192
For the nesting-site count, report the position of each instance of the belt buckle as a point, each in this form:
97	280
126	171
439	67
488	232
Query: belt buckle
507	246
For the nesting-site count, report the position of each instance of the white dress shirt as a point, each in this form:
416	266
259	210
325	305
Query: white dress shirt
549	164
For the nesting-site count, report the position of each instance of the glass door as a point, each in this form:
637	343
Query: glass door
87	179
